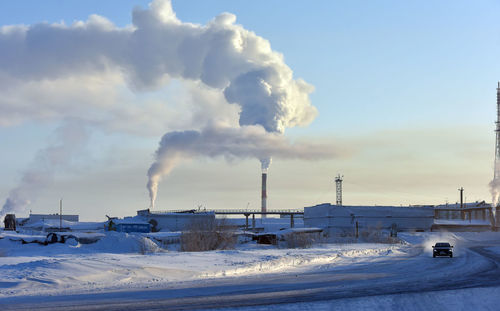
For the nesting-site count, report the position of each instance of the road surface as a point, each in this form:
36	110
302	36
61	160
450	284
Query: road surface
413	272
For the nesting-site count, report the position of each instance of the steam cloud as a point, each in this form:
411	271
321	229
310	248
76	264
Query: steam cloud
69	139
230	143
251	75
157	47
495	186
221	54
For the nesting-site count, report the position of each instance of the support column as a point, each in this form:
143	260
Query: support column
246	221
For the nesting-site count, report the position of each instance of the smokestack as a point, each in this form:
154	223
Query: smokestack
264	193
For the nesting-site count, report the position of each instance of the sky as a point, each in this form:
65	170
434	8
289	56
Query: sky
404	92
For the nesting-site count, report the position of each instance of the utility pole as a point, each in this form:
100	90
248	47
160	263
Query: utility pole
461	197
338	186
60	215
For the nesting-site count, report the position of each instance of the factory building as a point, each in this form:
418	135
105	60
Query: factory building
335	219
174	221
41	218
127	225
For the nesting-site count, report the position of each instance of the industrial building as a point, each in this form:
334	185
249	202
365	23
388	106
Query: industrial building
35	218
127	225
335	219
174	221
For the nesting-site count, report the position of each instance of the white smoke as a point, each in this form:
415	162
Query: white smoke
495	185
221	54
230	143
265	163
68	141
251	75
157	47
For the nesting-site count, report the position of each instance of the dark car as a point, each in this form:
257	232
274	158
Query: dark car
442	249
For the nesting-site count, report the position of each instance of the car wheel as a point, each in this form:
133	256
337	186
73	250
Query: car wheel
451	255
434	255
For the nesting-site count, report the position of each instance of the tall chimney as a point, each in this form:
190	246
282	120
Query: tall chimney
497	141
264	193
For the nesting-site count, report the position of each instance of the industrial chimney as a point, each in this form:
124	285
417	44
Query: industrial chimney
264	193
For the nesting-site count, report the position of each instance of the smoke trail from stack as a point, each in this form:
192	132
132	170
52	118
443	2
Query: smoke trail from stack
246	142
157	47
265	163
68	142
495	191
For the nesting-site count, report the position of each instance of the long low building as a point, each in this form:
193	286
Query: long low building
174	221
335	219
37	218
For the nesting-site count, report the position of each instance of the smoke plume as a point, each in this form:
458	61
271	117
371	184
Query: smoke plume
156	48
244	142
68	141
495	186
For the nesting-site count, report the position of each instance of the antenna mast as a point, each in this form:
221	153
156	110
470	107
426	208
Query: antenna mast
497	141
338	186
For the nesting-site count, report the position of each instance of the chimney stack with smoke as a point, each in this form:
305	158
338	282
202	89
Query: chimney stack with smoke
265	166
264	193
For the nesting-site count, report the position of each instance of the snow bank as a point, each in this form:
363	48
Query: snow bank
120	243
110	265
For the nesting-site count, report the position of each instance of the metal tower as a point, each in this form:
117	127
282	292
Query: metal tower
497	142
338	186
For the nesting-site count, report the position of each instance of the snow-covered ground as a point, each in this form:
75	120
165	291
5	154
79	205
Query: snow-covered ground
463	299
130	262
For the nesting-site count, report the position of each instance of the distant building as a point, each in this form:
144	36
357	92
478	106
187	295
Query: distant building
128	225
38	221
41	217
475	216
10	222
335	219
174	221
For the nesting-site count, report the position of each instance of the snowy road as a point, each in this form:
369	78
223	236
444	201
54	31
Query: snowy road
410	272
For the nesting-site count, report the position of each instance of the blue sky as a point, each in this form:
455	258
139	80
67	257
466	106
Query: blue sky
407	87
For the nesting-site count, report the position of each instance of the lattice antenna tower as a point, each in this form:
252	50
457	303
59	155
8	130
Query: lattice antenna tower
497	141
338	186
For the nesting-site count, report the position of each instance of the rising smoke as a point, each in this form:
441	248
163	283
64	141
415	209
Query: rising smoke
68	142
495	185
252	76
221	54
156	48
230	143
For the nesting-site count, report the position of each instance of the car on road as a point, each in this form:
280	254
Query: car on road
442	249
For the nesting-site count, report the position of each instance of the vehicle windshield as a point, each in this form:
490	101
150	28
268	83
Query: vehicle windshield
442	244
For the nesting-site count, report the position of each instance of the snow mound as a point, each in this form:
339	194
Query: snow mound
120	243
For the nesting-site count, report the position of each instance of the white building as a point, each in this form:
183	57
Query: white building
337	219
45	218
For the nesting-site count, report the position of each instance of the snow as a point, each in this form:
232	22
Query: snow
73	225
120	261
469	299
116	261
